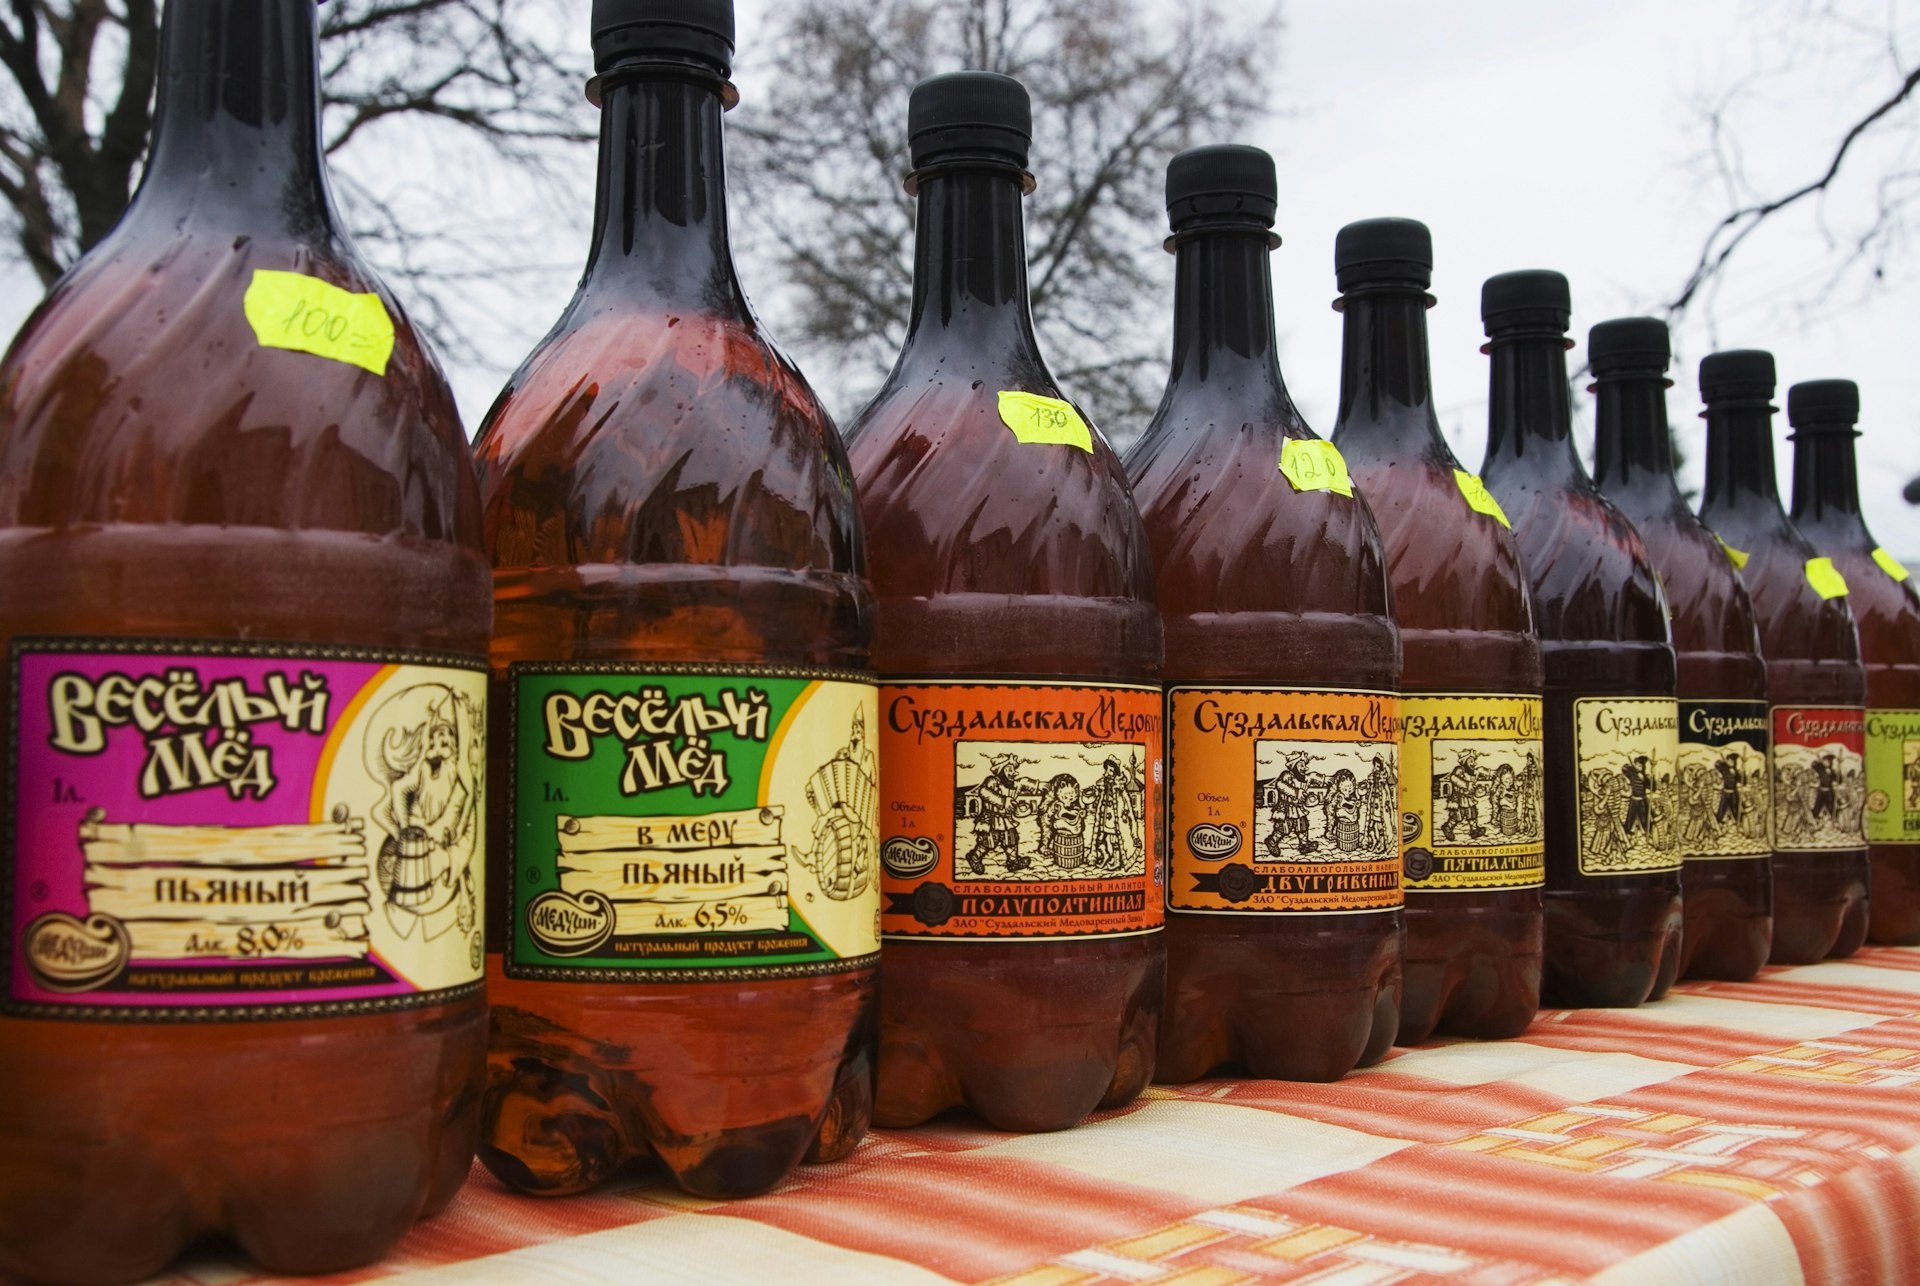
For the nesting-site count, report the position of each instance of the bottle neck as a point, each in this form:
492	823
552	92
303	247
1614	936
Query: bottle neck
1529	416
1740	458
1632	445
1386	381
1826	483
1223	310
660	205
237	121
970	264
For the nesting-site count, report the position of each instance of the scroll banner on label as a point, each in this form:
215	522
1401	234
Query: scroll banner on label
1479	499
1825	578
1313	464
1738	557
294	311
1045	421
1890	565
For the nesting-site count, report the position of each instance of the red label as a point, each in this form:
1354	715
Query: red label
1020	810
1819	777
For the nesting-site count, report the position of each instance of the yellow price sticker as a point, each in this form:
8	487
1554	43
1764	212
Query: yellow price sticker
1048	421
1825	578
1479	499
1738	557
1889	564
1314	464
294	311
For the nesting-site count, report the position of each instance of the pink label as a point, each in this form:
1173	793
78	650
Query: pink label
240	831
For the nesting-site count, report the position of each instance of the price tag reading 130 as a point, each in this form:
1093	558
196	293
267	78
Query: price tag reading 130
1044	420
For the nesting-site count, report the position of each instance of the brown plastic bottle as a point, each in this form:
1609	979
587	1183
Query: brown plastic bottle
1019	654
240	581
1826	509
1284	930
1816	689
1613	912
685	948
1722	779
1473	836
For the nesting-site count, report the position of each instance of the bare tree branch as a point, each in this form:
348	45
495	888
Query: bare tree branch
1116	92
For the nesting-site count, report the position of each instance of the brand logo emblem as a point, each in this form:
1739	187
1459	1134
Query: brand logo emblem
1211	843
68	954
907	858
569	924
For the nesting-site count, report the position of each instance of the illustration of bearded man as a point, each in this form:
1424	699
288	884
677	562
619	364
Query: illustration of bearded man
428	809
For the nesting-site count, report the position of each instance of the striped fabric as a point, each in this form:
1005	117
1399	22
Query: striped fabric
1758	1133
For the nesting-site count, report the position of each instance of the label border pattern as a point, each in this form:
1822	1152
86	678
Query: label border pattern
1036	681
1579	813
1540	741
1281	916
604	974
150	645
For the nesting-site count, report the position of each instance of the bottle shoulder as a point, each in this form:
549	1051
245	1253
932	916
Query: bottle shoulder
1710	607
1797	620
955	501
1590	575
1231	532
1452	566
164	381
1886	610
644	435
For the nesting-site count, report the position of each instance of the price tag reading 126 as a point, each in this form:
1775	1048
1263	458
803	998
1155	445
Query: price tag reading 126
294	311
1044	420
1313	464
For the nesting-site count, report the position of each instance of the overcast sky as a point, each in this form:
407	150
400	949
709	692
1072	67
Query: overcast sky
1525	133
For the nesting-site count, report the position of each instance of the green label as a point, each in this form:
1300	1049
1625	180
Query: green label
676	823
1893	776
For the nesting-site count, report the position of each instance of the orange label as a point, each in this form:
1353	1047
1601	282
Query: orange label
1283	800
1020	810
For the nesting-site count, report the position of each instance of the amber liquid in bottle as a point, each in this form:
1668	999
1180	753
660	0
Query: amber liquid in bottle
1466	627
1812	654
1826	509
662	489
998	559
1263	586
1611	939
1722	798
166	476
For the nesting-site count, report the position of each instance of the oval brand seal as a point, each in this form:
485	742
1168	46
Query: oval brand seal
907	857
566	924
1419	864
1214	843
67	954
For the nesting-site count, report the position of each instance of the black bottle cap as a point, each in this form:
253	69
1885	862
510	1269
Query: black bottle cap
1628	344
1831	406
640	30
1737	375
1531	299
979	113
1228	180
1379	251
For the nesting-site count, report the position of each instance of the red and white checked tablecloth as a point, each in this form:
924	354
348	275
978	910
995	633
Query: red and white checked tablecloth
1762	1132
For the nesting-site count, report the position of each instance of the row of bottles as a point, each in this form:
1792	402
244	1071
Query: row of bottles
1252	750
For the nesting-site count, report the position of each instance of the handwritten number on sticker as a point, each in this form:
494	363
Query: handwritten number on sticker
1479	499
1889	564
1313	464
1825	578
1044	420
293	311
